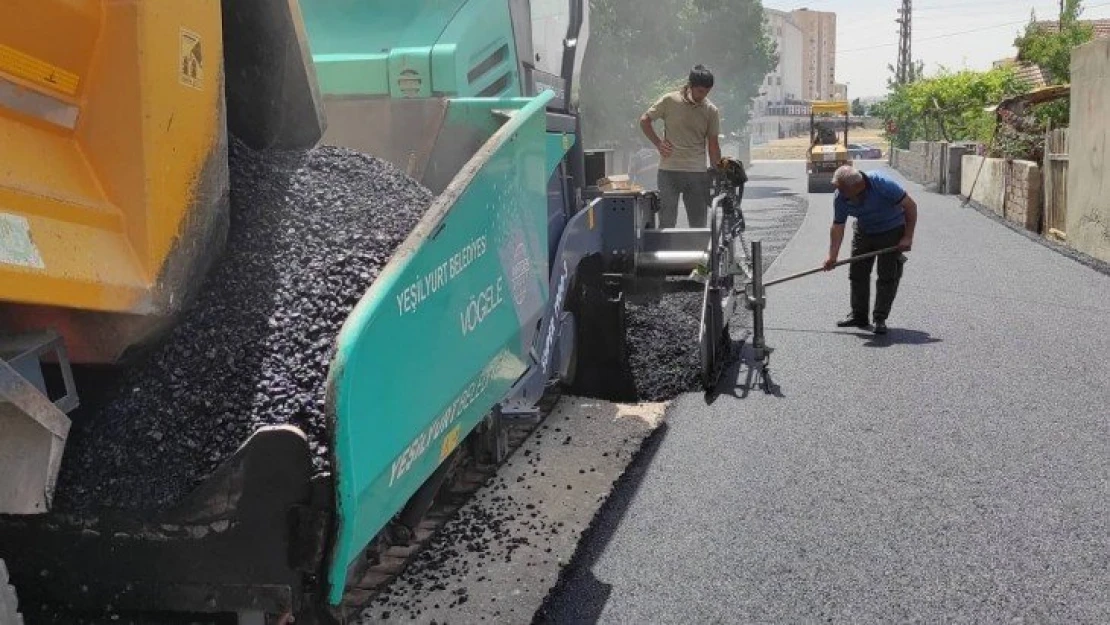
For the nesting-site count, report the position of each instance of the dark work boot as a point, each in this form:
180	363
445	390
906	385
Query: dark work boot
880	326
853	321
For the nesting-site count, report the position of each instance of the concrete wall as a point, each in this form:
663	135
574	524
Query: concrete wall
952	178
1012	189
922	162
1088	217
1024	197
766	129
936	165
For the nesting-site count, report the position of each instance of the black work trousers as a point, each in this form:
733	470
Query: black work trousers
890	272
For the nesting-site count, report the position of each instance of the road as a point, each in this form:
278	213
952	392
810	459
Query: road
957	470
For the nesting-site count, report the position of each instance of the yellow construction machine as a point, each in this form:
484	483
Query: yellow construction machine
114	191
827	150
113	174
114	183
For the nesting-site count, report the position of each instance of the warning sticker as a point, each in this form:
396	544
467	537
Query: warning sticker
16	247
191	64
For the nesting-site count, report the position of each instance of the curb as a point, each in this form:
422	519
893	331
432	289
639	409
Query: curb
1100	266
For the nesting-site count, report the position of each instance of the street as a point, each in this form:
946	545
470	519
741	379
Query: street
957	469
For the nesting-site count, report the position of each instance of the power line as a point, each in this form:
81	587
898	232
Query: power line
964	5
943	15
962	32
948	15
956	34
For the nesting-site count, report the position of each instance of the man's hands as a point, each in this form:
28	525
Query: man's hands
836	236
904	245
665	147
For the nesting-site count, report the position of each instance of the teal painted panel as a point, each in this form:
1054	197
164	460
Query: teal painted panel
476	50
445	79
371	26
459	48
477	112
371	29
558	144
410	73
441	335
353	74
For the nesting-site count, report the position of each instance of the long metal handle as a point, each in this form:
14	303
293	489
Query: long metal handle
758	340
853	259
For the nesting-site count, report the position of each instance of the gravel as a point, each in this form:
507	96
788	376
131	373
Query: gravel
478	535
662	344
309	233
662	333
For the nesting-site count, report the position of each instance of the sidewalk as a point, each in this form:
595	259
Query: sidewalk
956	470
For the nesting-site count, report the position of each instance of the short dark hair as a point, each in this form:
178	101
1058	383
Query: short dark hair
700	76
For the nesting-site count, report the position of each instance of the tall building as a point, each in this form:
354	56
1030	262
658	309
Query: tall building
806	45
784	84
818	53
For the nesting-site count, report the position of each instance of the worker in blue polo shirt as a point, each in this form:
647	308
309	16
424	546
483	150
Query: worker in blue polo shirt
885	217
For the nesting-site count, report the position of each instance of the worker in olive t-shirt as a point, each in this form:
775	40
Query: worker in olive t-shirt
691	127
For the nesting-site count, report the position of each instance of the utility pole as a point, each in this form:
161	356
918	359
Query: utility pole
904	69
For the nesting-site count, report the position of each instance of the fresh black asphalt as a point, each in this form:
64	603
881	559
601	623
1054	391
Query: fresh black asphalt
956	470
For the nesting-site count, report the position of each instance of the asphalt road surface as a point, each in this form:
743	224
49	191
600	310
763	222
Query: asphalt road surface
957	470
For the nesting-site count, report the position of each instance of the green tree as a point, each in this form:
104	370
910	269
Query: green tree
948	106
639	50
917	70
730	37
1051	49
858	109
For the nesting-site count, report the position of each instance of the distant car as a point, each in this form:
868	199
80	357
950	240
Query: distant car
862	151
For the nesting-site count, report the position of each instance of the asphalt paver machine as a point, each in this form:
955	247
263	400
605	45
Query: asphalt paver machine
114	181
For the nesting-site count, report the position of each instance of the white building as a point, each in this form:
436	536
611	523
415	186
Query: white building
784	84
818	53
805	43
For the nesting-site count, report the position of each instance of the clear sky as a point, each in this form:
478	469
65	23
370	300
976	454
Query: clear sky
867	37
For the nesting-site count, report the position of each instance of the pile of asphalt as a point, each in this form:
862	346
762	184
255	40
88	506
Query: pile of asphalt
641	348
661	342
661	334
309	233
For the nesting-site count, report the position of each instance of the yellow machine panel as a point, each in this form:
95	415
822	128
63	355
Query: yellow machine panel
829	107
113	175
